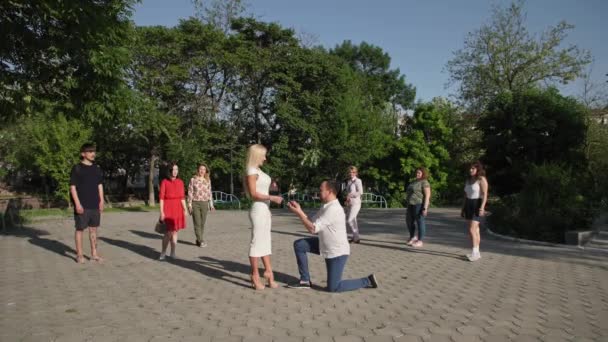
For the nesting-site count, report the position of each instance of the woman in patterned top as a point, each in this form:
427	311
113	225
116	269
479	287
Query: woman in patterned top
200	201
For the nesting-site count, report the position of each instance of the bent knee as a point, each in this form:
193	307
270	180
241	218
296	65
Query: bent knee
299	245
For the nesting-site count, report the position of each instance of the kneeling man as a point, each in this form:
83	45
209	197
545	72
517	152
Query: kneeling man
332	243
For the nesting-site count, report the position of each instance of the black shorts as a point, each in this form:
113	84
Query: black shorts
471	209
90	218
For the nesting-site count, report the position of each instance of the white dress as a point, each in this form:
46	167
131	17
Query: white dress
260	217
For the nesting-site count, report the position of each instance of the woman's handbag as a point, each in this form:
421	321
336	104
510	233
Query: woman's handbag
161	227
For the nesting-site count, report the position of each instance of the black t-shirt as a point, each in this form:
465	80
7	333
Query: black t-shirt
87	178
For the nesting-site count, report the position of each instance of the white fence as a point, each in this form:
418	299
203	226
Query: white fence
224	198
302	198
369	198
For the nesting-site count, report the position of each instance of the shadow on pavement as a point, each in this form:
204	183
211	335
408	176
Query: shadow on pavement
35	238
145	251
445	228
210	267
400	246
158	237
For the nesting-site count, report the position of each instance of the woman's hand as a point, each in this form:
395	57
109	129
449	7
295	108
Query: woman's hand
482	212
162	217
276	199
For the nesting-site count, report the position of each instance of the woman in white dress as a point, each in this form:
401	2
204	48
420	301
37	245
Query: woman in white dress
256	187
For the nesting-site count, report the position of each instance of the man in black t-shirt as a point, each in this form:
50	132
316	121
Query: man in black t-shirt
86	189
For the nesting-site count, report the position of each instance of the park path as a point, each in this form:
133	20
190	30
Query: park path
517	292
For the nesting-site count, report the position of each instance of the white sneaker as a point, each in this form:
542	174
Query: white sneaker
162	257
473	257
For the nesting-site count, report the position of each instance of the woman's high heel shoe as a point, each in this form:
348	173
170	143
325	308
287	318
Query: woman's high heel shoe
270	279
256	283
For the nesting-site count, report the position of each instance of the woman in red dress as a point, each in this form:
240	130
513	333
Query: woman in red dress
173	209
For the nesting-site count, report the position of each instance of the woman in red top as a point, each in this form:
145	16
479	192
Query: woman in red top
173	209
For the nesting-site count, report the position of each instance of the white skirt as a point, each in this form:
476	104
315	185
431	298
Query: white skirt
260	233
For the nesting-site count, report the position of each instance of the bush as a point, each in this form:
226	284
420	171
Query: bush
552	201
533	127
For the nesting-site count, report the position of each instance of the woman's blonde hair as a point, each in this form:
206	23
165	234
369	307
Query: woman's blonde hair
353	168
255	156
207	172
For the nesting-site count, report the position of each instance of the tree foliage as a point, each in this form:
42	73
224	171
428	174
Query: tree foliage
50	145
531	128
64	55
503	56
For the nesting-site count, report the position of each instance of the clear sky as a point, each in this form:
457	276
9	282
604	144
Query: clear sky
420	36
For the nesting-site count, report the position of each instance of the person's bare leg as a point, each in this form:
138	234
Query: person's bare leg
173	243
268	272
78	240
165	243
255	274
93	239
474	232
475	239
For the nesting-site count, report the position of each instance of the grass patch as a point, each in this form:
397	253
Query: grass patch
130	209
67	212
34	213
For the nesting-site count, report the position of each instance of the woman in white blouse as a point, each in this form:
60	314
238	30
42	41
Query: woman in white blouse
256	187
354	190
473	208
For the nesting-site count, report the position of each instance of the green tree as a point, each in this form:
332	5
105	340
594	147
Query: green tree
354	131
596	151
49	144
385	85
422	142
531	128
220	13
503	56
262	56
64	55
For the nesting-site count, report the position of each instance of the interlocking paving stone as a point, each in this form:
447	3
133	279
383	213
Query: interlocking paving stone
518	292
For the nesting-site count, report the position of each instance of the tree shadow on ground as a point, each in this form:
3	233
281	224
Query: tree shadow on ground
208	266
35	237
446	228
400	246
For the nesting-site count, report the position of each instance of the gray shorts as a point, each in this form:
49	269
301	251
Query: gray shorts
90	218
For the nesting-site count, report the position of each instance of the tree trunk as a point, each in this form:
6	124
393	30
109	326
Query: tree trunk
153	159
231	174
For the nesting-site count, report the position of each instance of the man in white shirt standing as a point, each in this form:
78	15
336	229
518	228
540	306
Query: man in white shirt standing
332	243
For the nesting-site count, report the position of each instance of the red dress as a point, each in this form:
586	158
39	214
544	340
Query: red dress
172	194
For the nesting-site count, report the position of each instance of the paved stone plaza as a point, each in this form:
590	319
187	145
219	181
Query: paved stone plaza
517	292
